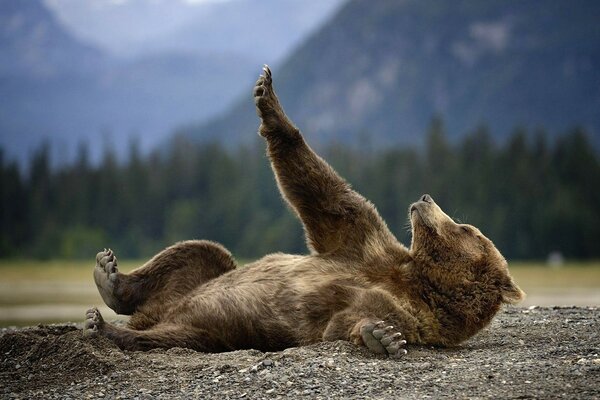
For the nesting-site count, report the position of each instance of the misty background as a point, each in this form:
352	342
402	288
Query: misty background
130	123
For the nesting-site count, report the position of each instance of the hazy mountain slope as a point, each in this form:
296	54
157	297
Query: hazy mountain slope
384	68
32	44
41	67
56	87
59	89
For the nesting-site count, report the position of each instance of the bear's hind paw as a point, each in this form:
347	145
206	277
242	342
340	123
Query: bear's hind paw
93	322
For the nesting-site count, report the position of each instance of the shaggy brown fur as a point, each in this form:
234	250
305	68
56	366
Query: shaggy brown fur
358	284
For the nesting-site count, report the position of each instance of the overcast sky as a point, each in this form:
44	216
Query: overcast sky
130	27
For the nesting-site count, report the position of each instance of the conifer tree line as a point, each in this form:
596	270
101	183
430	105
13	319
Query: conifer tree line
530	195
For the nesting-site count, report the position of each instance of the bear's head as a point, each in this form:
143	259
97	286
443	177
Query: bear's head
458	256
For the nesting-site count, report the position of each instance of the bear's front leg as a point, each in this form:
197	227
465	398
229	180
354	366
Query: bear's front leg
336	218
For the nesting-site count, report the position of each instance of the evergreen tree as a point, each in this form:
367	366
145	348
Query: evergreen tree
531	196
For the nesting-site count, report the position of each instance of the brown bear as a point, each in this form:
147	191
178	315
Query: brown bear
358	283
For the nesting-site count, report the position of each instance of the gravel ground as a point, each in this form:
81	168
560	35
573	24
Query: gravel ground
524	353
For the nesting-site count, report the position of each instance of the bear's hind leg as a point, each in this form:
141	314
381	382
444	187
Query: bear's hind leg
160	336
167	277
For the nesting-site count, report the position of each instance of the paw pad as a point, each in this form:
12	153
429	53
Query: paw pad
107	261
93	322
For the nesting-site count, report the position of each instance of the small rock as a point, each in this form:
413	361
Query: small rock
267	362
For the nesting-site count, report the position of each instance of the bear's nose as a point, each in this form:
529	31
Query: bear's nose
427	198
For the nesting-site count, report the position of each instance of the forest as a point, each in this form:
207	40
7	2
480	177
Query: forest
531	194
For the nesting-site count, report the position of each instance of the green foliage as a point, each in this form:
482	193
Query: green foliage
529	195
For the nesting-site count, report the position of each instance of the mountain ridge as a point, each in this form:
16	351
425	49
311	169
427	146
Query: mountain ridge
382	70
60	89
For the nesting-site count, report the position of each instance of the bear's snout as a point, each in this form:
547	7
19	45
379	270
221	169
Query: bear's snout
427	198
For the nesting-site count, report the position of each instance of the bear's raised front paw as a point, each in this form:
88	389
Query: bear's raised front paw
273	118
93	322
263	85
264	97
383	338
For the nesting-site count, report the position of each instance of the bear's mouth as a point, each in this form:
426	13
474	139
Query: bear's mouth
420	215
416	215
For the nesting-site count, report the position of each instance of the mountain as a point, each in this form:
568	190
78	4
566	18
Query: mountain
41	66
59	88
382	69
34	45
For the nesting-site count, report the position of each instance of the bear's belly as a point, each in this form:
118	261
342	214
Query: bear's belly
272	304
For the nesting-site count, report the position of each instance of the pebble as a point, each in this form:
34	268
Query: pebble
267	362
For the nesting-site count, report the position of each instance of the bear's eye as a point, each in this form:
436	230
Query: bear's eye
465	229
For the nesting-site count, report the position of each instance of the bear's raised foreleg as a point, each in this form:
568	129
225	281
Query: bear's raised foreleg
337	220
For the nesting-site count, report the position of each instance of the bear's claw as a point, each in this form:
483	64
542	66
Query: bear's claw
267	73
383	339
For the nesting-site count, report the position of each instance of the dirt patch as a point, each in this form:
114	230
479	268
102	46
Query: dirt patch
537	353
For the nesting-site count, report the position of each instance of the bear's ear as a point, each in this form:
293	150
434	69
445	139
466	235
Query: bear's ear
511	293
